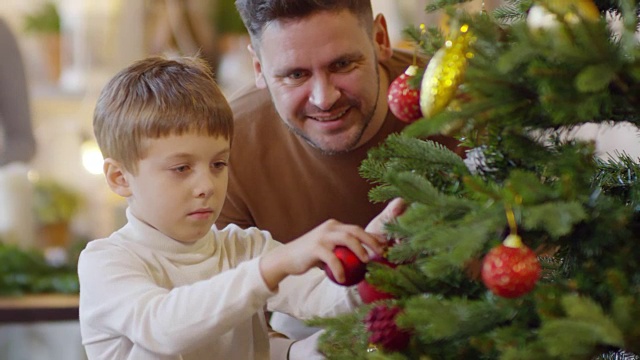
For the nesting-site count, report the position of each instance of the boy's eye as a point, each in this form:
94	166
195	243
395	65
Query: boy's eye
219	164
181	169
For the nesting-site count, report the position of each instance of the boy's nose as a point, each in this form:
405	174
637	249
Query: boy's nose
324	93
205	194
205	187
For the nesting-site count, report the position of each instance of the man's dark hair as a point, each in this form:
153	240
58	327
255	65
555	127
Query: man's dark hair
256	14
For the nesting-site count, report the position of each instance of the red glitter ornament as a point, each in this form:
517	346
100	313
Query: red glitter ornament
354	269
404	100
380	322
511	269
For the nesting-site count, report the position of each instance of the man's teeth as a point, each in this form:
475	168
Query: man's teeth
330	118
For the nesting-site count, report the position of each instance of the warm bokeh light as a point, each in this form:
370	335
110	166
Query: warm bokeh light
91	157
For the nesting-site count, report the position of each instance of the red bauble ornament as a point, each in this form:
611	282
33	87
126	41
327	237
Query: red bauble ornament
404	101
369	293
511	269
354	269
383	331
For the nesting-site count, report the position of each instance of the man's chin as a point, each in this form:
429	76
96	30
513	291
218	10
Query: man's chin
336	145
332	144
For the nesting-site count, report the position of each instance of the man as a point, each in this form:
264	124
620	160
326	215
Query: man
322	71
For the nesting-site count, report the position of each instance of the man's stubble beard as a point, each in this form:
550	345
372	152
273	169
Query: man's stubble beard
367	121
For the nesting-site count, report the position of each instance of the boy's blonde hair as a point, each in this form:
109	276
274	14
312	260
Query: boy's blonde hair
157	97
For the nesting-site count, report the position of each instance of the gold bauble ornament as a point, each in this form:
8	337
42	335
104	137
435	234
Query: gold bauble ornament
445	72
574	10
545	15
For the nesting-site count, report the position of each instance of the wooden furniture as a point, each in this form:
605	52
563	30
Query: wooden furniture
38	308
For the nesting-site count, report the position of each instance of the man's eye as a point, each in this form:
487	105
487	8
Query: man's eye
342	65
296	75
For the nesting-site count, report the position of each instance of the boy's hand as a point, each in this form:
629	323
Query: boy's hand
395	208
315	248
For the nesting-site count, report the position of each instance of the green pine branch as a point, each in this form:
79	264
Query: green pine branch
526	86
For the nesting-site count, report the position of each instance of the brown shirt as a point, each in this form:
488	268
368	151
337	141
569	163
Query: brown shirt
281	184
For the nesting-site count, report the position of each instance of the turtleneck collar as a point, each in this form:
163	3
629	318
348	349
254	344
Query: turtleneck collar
143	234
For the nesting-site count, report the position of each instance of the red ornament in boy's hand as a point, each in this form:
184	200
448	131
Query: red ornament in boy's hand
354	269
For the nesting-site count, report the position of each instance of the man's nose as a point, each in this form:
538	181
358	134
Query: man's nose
324	93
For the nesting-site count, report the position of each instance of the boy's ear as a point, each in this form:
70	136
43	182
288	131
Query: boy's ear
381	38
257	68
116	179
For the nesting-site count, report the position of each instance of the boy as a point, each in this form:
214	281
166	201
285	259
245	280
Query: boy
167	285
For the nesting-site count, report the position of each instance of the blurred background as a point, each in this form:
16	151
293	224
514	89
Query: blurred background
70	48
57	198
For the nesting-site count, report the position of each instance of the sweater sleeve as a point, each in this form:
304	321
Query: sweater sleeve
313	294
119	298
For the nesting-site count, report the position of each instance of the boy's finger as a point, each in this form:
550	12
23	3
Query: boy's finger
356	245
333	268
394	209
375	243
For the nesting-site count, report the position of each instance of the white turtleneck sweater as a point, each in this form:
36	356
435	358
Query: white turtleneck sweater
145	296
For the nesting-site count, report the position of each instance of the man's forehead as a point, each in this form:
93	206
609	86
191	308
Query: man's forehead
296	35
314	22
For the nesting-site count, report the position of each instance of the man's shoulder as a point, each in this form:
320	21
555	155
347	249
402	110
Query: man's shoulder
402	55
254	116
250	101
400	60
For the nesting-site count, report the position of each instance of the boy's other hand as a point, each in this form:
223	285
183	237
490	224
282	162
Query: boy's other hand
395	208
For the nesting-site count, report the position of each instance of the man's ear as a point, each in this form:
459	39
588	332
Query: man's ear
116	179
381	38
257	68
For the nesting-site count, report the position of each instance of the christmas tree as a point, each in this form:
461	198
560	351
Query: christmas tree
527	248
